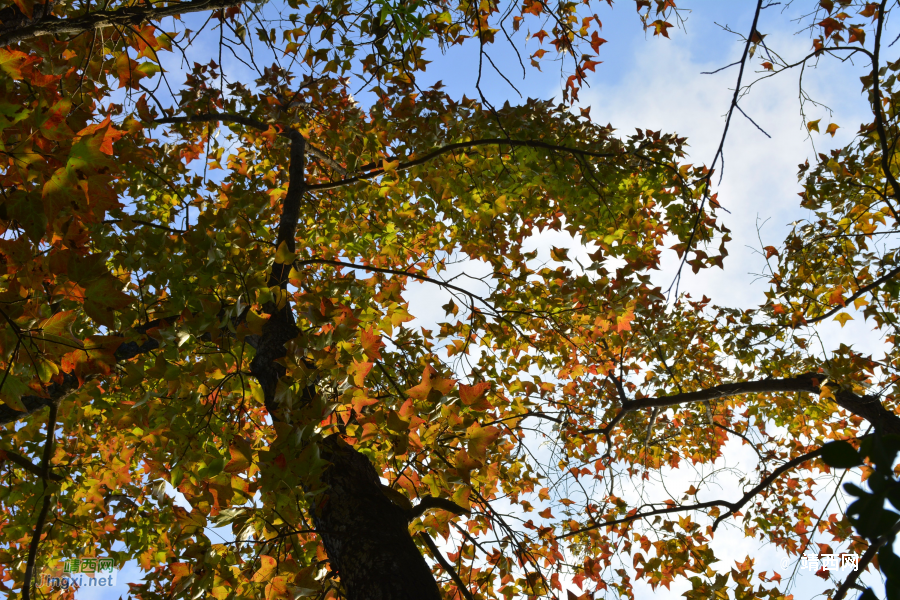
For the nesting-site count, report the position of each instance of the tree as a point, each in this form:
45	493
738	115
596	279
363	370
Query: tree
240	336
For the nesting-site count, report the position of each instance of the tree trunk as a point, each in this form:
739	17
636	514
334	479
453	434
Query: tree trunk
366	535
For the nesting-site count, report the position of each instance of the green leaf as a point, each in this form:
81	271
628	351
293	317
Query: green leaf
12	391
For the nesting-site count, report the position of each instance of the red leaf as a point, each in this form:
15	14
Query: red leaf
596	41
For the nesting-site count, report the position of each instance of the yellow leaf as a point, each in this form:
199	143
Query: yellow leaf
283	255
860	302
813	125
255	322
825	392
842	318
266	569
388	165
832	129
279	295
46	369
479	438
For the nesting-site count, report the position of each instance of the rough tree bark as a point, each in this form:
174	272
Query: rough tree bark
366	536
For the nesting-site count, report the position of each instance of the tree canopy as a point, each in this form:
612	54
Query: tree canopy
205	288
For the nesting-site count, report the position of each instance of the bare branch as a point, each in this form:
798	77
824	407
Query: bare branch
446	565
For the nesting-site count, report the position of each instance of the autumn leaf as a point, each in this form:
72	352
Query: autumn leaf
469	394
371	344
12	62
596	41
813	125
11	391
623	322
358	372
842	318
241	456
661	28
255	322
479	438
283	255
266	571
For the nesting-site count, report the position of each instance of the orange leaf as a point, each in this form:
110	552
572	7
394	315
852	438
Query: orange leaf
358	371
469	394
623	323
420	392
26	6
12	61
372	344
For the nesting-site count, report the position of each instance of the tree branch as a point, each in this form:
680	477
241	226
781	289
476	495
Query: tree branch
446	565
864	561
281	327
429	502
18	459
862	291
403	166
867	407
733	507
877	109
766	482
125	16
45	507
254	124
68	383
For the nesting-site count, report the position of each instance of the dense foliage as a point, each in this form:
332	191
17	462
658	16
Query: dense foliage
205	287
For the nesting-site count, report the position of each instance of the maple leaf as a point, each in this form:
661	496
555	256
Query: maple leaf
479	438
358	372
13	61
371	343
842	318
596	42
471	394
661	28
623	322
